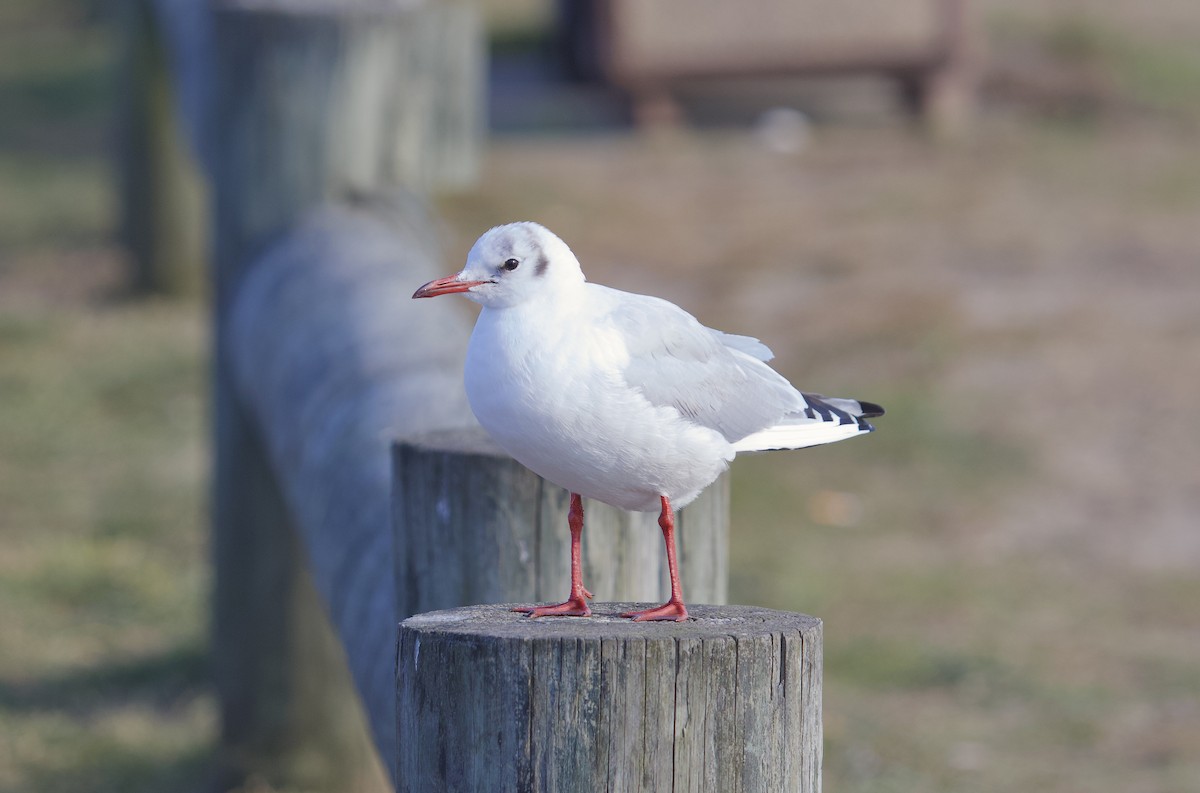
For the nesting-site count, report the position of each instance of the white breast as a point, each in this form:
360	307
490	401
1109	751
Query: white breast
555	399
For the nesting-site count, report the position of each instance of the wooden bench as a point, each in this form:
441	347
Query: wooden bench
650	47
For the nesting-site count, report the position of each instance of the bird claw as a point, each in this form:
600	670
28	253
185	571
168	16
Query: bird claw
574	607
671	610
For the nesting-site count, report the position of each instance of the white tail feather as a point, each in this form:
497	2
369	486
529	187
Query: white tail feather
797	435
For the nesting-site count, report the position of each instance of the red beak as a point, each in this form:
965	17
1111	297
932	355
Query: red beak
445	286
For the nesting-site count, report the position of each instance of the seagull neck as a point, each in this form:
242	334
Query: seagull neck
564	299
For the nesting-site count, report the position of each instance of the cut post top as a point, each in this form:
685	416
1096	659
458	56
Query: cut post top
499	621
491	701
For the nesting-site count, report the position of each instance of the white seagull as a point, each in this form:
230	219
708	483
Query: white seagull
616	396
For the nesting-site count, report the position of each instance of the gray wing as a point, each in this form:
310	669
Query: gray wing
715	379
747	344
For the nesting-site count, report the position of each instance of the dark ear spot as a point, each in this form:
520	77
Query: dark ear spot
542	263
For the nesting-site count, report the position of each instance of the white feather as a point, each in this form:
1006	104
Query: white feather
797	436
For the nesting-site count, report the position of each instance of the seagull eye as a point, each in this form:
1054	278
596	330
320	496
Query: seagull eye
511	264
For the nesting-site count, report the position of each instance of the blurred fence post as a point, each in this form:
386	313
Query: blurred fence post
163	223
319	103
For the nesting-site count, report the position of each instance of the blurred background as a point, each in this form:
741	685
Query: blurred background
1007	570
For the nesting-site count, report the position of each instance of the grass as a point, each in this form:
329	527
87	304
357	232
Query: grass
103	678
1092	63
103	666
1005	570
1159	78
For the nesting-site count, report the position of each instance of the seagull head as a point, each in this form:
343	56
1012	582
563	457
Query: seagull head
509	265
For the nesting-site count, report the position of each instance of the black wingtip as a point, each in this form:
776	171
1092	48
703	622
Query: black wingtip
870	410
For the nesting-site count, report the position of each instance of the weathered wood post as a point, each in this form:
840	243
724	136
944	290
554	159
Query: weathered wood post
491	701
318	363
474	526
163	223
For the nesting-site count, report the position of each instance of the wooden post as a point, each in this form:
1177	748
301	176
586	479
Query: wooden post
493	701
474	526
163	222
320	102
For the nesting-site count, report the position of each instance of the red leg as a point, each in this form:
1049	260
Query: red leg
576	604
673	609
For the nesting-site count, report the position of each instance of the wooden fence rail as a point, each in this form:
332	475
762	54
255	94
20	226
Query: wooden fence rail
330	367
318	361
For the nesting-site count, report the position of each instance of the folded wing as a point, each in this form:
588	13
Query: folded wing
717	380
720	381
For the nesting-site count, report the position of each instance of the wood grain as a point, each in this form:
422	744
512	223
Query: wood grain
728	701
